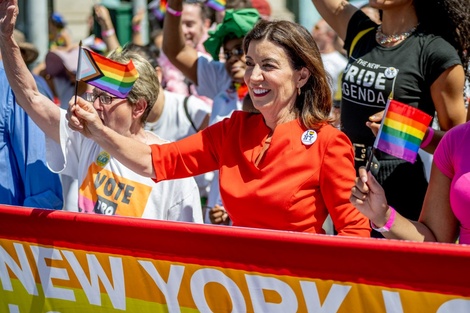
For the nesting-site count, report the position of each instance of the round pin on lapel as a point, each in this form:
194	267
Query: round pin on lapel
390	72
309	136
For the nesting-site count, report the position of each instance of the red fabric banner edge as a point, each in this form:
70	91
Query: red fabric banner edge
428	267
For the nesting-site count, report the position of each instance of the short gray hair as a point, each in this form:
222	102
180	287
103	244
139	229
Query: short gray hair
146	87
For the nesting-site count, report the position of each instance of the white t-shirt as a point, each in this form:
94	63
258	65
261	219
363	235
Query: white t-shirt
108	187
334	64
173	124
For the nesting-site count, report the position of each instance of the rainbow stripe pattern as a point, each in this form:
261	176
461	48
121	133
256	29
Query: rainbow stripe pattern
218	5
106	74
158	9
402	130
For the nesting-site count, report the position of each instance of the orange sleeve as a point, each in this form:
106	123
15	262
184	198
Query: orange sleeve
336	180
190	156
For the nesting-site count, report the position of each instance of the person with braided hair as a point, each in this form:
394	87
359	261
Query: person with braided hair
415	56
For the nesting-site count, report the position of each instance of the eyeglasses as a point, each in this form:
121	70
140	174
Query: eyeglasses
238	51
104	98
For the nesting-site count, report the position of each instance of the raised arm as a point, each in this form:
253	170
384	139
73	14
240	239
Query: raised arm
136	27
182	56
107	28
336	13
40	108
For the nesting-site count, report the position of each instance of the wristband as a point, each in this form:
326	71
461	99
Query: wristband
107	33
136	28
387	225
428	138
173	11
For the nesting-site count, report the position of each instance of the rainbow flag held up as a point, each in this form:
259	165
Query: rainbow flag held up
402	130
106	74
158	8
218	5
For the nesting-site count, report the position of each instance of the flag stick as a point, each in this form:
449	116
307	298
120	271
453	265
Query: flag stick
78	70
369	161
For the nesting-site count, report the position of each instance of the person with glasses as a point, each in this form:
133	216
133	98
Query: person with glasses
103	98
106	186
220	81
285	168
174	116
194	25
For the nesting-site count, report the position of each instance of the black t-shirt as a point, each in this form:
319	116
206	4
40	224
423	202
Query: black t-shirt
374	73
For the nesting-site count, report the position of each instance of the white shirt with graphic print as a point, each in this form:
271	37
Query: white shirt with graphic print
108	187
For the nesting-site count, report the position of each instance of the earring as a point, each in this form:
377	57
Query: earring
298	91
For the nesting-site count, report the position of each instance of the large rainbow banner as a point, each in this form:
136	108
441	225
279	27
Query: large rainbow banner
58	262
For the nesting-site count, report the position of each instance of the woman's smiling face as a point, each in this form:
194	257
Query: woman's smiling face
270	77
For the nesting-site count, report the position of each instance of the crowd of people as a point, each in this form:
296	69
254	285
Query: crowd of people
410	58
241	119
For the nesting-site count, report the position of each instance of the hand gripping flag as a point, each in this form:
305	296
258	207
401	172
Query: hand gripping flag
106	74
402	130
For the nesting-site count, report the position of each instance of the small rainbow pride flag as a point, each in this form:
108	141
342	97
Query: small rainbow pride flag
106	74
158	8
402	130
218	5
